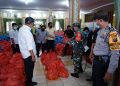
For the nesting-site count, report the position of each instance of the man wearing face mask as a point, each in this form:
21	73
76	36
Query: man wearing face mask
87	39
106	51
13	33
77	45
28	49
51	37
41	35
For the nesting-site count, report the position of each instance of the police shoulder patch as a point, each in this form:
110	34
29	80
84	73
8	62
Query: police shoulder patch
114	40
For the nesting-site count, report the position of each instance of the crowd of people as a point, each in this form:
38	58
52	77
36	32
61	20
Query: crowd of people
85	43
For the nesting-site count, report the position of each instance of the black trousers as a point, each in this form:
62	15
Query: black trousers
40	46
65	49
29	67
15	49
98	73
50	45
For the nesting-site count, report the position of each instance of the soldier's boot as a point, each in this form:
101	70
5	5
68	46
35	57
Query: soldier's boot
81	70
75	75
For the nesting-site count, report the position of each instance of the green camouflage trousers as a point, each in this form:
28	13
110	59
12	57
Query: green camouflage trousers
77	55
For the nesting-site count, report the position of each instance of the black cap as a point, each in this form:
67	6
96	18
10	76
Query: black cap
76	25
29	20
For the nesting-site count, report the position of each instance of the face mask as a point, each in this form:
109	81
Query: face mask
15	27
96	26
43	29
86	34
51	26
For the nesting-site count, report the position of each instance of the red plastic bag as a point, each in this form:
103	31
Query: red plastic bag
52	74
45	59
63	72
4	59
78	37
53	55
59	49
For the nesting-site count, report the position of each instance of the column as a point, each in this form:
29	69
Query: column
70	12
117	18
117	14
74	11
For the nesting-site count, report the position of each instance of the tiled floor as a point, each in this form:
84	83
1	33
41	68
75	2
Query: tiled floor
39	75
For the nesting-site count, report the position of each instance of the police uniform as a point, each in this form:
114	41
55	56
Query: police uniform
105	58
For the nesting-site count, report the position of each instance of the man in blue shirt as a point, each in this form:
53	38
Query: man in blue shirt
41	36
106	56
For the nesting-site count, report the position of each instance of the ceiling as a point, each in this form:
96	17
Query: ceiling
86	5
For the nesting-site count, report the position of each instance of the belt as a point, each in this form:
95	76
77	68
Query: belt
99	58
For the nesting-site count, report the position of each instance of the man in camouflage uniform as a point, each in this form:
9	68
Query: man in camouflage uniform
77	52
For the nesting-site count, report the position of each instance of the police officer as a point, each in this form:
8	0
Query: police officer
77	51
106	55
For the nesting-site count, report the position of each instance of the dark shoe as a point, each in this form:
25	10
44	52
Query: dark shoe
81	70
89	80
72	57
30	84
75	75
34	83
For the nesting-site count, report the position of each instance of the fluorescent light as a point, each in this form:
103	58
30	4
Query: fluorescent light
19	15
84	12
27	15
66	3
44	15
10	10
114	14
27	1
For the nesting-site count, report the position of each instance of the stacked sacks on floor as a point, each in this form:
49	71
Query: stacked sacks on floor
54	66
4	37
11	67
12	71
59	49
58	39
5	46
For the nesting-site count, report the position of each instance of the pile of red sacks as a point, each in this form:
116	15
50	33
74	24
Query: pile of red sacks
6	46
60	47
11	70
54	66
11	67
59	33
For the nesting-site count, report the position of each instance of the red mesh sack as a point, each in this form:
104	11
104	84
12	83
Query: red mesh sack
69	50
63	72
4	59
59	49
45	58
52	55
52	73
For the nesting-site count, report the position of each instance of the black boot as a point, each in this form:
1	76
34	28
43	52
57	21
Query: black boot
75	75
81	70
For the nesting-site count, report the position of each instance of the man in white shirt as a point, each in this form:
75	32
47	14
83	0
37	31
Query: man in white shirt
51	37
13	33
28	49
